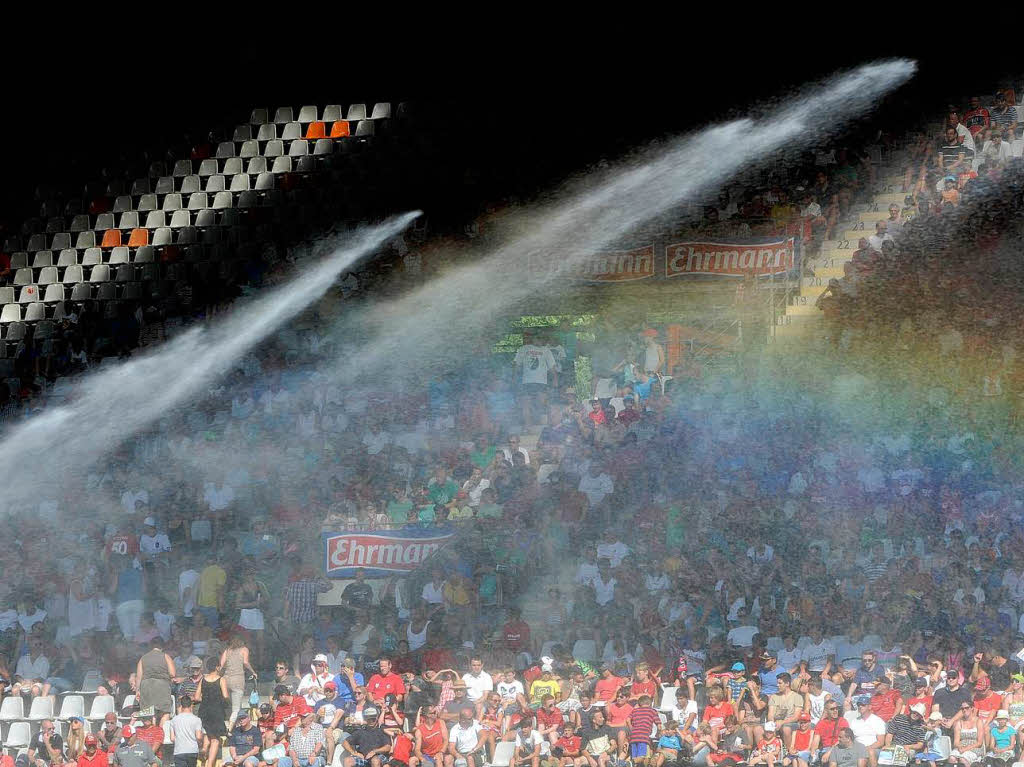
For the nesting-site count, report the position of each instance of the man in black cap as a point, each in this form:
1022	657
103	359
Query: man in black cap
245	742
368	744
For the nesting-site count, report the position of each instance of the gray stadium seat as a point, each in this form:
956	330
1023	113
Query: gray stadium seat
92	257
42	258
80	223
207	218
155	219
283	115
29	294
232	166
198	201
172	202
107	291
60	311
11	313
129	220
256	166
208	167
48	275
242	133
119	255
81	292
60	241
356	112
132	292
45	329
222	200
15	332
264	181
258	117
54	224
162	236
306	164
19	260
240	183
323	146
191	184
144	255
291	132
188	234
7	295
298	148
125	273
381	110
215	184
226	149
148	202
73	274
68	257
282	165
248	199
122	203
274	148
104	221
85	240
165	185
250	149
182	168
157	169
180	218
36	242
23	276
100	273
307	114
54	293
33	313
267	132
365	128
332	113
141	186
149	272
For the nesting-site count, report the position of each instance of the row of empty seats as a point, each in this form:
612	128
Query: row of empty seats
13	708
308	114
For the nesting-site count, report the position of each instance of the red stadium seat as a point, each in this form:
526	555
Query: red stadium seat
111	238
138	238
339	129
316	130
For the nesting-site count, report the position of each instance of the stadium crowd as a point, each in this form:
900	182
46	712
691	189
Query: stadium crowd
714	571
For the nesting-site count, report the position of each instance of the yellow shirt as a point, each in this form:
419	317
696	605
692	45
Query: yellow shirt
211	580
456	594
540	688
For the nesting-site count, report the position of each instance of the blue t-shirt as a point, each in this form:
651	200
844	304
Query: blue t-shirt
770	680
1002	739
246	740
670	741
346	693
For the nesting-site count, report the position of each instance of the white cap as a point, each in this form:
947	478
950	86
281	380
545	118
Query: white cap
1002	714
547	660
546	667
935	716
321	658
918	708
769	726
149	522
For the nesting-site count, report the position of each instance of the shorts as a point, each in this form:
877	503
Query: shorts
428	760
639	750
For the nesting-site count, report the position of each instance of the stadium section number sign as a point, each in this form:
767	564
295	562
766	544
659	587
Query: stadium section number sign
380	553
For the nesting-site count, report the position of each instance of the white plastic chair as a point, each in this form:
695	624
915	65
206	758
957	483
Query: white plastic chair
503	753
91	682
101	706
18	736
42	708
668	698
12	708
72	705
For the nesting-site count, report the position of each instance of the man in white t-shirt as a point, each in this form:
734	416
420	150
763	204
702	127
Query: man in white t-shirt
535	364
465	746
819	653
612	549
868	727
186	734
595	484
478	682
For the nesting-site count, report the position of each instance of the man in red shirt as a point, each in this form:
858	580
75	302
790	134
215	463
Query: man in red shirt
290	708
608	685
826	731
986	702
977	118
618	718
886	702
516	636
147	730
549	719
921	694
386	682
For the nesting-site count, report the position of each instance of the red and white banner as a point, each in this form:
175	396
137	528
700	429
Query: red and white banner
380	553
729	259
613	266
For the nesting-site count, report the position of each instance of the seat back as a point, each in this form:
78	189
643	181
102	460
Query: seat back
111	238
316	130
340	128
18	736
42	707
101	706
13	707
503	753
138	238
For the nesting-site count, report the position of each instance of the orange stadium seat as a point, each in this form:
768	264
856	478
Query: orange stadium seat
316	130
138	238
111	238
339	129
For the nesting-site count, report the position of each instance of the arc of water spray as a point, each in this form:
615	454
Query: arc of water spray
113	405
597	214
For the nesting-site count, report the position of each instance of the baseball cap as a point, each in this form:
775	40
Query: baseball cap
935	716
90	740
769	655
738	667
195	662
918	708
862	700
320	658
920	682
982	684
149	522
769	726
804	717
127	731
330	686
1002	714
243	713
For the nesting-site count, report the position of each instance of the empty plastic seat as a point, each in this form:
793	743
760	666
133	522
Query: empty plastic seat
250	149
149	272
282	165
23	276
68	257
267	132
157	169
15	332
240	183
242	133
258	117
36	242
208	167
232	166
339	129
72	705
60	311
107	291
207	218
19	734
291	132
29	294
19	260
274	148
164	185
364	128
182	168
85	240
33	313
256	166
141	186
264	181
42	258
54	293
190	184
323	146
10	313
122	203
248	199
103	221
307	114
172	202
162	237
47	275
119	256
129	220
92	256
298	148
180	218
60	241
125	273
147	203
54	224
132	292
101	706
111	238
283	115
305	165
226	149
198	201
155	219
73	274
81	292
6	295
216	184
144	255
80	223
331	113
381	110
356	112
100	273
139	236
316	130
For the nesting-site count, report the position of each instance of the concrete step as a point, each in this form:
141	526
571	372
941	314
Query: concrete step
802	309
871	216
885	200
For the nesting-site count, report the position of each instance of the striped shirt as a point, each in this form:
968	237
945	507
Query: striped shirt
904	731
301	596
641	724
1006	118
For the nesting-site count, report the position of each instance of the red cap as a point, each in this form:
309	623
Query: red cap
804	717
90	740
127	731
330	686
